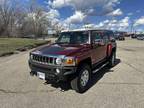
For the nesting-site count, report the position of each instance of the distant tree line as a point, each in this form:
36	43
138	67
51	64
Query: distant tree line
18	19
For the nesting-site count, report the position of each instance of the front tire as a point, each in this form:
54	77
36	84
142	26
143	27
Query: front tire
82	81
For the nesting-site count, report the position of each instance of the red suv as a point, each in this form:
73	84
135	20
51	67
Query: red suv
76	55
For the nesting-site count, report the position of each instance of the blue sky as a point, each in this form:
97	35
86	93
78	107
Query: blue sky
127	6
110	14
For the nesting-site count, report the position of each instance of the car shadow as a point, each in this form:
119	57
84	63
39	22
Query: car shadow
100	74
65	86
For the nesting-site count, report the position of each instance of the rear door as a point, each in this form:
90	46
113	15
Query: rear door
99	40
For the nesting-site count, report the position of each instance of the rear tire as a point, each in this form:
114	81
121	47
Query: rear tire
112	59
82	81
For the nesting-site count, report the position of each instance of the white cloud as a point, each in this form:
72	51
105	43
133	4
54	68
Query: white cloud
53	13
49	2
138	11
130	14
116	12
139	21
106	21
122	24
58	3
90	7
84	8
89	26
59	24
76	18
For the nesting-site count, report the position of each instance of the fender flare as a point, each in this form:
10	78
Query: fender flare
109	50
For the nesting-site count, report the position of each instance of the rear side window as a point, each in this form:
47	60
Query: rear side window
96	37
110	35
106	37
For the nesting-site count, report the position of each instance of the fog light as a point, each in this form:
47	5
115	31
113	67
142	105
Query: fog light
58	71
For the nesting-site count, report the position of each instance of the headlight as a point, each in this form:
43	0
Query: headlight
58	61
31	56
69	61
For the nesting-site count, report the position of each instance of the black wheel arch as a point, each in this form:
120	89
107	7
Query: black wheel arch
87	61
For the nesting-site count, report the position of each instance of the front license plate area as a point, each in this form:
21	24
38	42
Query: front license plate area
41	75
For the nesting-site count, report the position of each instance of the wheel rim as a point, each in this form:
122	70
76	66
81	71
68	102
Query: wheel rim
84	78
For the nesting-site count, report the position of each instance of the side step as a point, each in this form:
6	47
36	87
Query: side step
95	71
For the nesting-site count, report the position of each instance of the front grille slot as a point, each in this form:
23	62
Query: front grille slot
44	59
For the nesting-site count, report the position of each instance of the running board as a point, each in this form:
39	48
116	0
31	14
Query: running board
95	71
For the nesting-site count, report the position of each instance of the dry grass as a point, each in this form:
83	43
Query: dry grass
10	45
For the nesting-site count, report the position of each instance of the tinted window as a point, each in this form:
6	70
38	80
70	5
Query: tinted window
74	37
106	37
96	36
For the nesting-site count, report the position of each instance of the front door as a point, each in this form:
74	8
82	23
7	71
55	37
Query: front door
99	47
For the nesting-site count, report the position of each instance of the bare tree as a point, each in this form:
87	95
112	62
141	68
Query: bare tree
6	16
21	20
36	21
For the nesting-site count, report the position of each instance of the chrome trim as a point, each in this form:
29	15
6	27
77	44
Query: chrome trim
96	70
45	59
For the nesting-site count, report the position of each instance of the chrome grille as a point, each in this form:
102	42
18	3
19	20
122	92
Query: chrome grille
44	59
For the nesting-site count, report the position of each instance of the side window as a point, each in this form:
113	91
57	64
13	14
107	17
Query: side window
111	36
106	37
96	37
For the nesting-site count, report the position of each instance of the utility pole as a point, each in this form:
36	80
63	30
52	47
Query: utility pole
132	27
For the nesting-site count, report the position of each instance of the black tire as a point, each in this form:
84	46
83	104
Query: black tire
76	82
112	59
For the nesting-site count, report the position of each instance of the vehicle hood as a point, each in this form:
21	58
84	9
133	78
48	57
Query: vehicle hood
57	49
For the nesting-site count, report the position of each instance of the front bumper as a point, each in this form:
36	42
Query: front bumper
50	71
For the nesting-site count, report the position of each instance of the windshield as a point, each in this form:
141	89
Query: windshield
74	38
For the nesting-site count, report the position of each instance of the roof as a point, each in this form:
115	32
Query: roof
77	30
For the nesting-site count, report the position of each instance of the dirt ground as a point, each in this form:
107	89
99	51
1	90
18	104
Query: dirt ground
119	87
